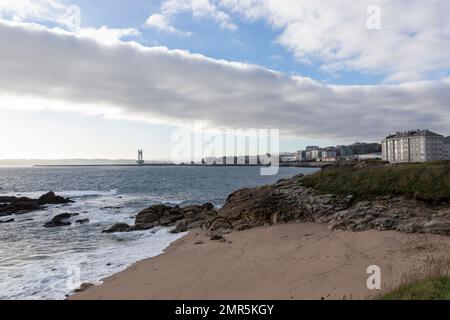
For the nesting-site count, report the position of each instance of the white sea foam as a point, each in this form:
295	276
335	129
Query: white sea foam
39	263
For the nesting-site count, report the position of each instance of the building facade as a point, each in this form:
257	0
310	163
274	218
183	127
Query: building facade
415	146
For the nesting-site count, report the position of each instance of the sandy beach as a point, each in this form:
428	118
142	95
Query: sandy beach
290	261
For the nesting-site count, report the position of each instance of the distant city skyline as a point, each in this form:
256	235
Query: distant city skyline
85	79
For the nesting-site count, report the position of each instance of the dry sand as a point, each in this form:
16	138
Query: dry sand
291	261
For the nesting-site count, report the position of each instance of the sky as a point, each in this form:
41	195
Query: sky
100	79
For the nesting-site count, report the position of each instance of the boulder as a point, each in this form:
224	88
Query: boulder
82	221
60	220
52	198
6	221
22	205
181	226
18	206
119	227
217	237
7	199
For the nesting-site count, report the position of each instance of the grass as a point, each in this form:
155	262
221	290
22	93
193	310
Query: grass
422	181
429	289
431	282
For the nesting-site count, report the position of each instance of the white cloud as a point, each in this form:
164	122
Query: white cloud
107	35
55	11
65	72
162	23
413	41
200	9
63	15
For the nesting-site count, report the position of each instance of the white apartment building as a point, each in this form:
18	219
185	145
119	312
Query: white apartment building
415	146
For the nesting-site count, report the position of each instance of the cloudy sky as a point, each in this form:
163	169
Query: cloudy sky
98	79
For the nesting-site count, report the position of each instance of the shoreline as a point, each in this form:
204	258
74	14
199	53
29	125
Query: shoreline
288	261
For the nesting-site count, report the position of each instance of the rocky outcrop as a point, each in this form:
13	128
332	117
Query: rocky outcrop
182	219
60	220
18	206
22	205
392	213
82	221
286	201
119	227
289	201
52	198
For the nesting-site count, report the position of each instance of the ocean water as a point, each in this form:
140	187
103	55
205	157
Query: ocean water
40	263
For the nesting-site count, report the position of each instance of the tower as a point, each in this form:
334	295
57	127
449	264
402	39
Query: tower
140	160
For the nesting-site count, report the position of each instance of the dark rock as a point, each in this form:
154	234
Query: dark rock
242	227
82	221
64	216
119	227
183	218
22	205
199	242
55	224
52	198
220	224
6	221
60	220
7	199
83	287
216	237
181	226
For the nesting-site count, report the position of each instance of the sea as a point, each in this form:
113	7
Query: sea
41	263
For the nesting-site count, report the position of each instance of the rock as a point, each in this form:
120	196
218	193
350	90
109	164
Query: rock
216	237
52	198
170	220
64	216
220	224
82	221
199	242
149	218
440	227
6	221
22	205
181	226
55	224
60	220
184	219
242	227
119	227
83	287
7	199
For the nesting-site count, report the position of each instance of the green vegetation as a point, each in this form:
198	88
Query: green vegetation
437	288
368	180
